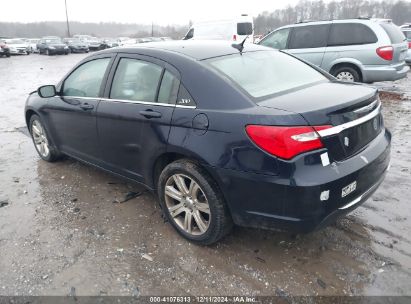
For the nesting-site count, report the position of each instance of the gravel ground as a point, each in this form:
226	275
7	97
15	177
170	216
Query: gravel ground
61	233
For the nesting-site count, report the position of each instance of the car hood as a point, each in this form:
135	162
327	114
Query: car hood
325	103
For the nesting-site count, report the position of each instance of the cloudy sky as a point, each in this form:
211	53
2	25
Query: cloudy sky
134	11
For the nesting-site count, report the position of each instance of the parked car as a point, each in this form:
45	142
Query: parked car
406	30
33	44
18	47
226	133
361	50
52	45
110	42
95	44
76	45
4	49
236	29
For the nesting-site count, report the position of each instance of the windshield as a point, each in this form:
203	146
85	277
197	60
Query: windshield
245	28
407	34
53	40
266	73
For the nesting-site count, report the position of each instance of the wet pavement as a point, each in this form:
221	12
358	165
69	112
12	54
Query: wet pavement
62	230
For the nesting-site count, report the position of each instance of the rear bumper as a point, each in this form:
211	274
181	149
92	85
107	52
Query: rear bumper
295	200
374	73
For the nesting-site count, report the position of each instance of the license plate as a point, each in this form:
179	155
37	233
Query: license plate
348	189
403	55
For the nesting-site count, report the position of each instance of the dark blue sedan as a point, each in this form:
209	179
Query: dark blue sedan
221	133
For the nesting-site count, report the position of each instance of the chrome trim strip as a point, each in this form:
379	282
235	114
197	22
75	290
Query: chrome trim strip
132	101
358	199
350	124
366	108
80	97
139	102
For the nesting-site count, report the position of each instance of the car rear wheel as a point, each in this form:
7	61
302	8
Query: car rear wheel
41	141
347	74
192	203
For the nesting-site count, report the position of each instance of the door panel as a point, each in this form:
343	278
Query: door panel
72	114
74	126
133	126
128	138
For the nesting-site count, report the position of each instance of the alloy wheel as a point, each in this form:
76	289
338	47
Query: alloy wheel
345	76
40	139
187	204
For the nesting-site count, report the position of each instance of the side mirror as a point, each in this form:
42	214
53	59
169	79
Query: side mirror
47	91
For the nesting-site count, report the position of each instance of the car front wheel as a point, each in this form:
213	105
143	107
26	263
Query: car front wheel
192	203
41	141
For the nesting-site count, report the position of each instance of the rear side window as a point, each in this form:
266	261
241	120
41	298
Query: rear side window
277	39
136	80
168	89
394	32
310	36
351	33
244	28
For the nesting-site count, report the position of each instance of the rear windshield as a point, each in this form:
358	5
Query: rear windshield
244	28
266	73
394	32
407	34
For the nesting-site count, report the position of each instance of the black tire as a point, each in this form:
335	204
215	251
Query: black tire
8	55
220	222
349	71
53	154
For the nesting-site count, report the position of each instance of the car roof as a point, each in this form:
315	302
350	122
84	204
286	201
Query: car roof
196	49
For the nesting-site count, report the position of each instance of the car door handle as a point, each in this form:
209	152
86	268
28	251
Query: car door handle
86	106
150	114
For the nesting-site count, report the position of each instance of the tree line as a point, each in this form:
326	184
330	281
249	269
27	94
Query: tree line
399	11
102	29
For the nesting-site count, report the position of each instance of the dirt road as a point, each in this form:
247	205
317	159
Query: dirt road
61	233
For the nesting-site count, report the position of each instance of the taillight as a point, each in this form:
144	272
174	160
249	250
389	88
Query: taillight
409	44
385	52
234	37
286	142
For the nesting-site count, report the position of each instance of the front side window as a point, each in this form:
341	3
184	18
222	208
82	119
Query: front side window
86	80
310	36
351	34
265	73
277	39
136	80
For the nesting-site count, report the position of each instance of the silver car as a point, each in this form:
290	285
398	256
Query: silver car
406	30
360	50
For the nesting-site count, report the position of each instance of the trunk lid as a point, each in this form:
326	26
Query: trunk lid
354	111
